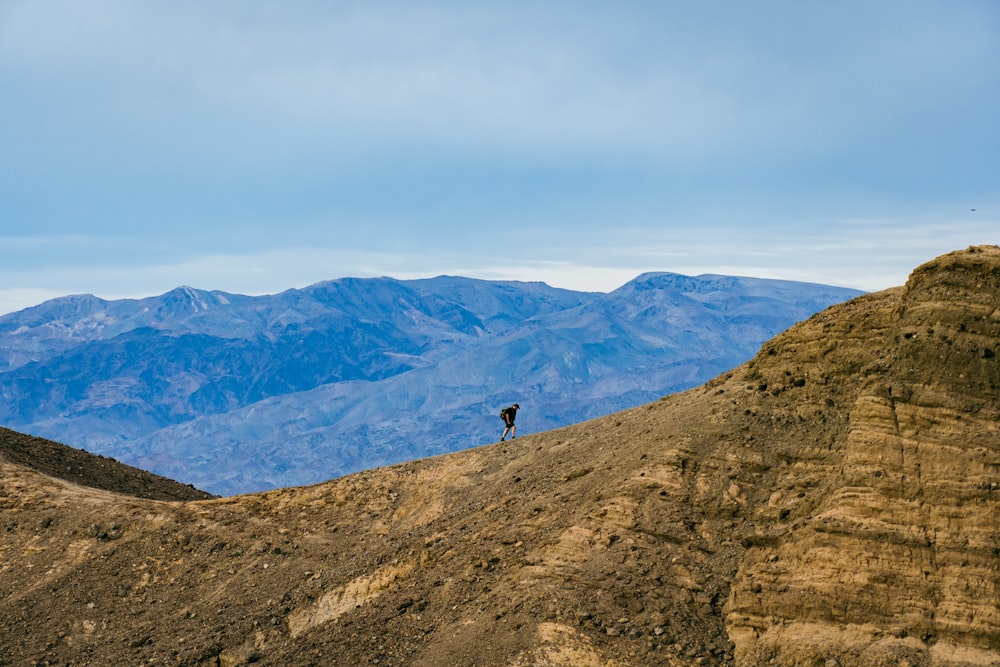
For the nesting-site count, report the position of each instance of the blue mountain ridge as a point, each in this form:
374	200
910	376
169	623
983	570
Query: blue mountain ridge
237	393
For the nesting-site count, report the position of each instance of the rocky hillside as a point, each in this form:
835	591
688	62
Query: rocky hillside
77	466
834	501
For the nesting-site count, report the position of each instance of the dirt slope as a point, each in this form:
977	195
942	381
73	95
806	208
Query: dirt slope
834	501
76	465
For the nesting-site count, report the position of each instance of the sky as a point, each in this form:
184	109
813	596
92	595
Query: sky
253	147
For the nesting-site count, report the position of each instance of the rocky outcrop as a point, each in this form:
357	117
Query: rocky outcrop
883	540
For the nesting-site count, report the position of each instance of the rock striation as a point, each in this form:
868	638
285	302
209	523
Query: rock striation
833	501
880	541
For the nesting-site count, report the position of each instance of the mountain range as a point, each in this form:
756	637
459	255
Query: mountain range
237	393
832	502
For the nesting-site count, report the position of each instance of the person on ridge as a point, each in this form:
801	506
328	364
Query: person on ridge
508	414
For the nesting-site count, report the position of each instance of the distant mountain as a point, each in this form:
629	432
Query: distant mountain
235	393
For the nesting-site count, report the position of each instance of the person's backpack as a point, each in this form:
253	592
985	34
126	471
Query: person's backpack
504	413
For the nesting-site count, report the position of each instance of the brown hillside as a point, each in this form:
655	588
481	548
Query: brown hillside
835	501
80	467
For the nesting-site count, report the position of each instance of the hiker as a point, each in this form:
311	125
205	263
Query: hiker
508	414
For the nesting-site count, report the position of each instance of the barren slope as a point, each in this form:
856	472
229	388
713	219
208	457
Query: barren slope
835	499
76	465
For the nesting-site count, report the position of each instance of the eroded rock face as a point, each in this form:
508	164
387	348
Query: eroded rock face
898	551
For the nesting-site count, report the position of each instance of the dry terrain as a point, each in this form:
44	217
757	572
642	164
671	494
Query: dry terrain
834	501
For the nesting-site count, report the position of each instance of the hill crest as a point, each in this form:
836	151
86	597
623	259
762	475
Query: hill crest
76	466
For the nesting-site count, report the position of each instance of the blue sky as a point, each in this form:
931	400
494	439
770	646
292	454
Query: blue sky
255	146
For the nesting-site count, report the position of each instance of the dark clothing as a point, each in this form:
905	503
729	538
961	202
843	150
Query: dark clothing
508	415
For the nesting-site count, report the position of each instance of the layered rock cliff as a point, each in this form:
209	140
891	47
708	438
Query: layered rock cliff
879	540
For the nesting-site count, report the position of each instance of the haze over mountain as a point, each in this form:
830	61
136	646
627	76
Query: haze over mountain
235	393
833	501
